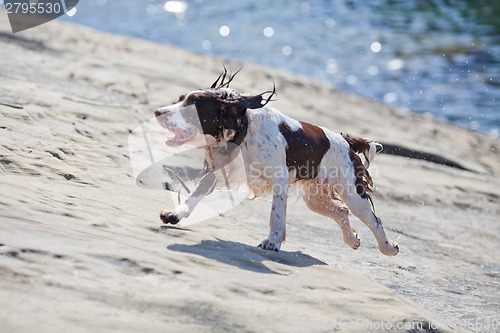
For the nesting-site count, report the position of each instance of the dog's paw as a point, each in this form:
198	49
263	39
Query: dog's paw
268	245
390	249
354	242
169	218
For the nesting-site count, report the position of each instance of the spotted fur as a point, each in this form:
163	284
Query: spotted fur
278	151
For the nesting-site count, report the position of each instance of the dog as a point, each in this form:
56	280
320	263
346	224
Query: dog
278	151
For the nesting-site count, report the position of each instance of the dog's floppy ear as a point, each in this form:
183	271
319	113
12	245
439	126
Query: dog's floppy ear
255	102
250	102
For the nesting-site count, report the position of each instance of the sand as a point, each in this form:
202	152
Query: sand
82	248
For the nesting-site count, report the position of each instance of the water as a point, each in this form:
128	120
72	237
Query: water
434	57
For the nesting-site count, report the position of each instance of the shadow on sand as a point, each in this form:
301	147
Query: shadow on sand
245	256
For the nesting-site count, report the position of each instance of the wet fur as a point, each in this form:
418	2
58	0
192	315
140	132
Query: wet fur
278	151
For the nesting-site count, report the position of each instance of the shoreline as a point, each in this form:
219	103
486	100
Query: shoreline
82	245
422	79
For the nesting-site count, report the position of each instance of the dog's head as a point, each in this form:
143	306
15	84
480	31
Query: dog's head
213	117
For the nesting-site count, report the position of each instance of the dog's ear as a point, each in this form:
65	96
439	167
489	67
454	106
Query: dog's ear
255	102
250	102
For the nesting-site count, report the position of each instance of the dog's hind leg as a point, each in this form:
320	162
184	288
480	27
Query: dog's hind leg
319	199
362	208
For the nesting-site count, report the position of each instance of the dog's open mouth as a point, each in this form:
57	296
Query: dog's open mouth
181	136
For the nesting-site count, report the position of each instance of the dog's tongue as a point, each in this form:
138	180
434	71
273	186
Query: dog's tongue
179	132
180	136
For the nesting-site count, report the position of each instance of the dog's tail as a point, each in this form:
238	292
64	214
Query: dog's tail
367	147
375	148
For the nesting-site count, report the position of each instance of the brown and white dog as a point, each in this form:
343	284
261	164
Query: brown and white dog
277	151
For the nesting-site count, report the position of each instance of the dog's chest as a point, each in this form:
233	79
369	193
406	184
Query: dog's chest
263	149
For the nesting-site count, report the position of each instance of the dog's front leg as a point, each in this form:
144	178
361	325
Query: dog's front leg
277	222
205	185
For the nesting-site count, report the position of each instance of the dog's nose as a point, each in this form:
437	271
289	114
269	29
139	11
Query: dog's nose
159	113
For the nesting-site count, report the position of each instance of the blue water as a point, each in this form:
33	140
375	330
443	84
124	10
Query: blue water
434	57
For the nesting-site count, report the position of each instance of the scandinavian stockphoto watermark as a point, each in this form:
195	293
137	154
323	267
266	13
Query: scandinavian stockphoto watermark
480	324
352	324
159	166
173	169
26	14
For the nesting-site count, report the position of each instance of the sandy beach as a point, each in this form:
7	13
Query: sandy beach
82	248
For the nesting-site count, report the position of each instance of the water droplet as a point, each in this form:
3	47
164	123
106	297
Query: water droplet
351	79
175	6
287	50
395	64
330	23
390	97
71	12
376	47
268	32
332	66
224	31
206	44
372	70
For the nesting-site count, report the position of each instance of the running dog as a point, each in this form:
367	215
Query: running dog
277	151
